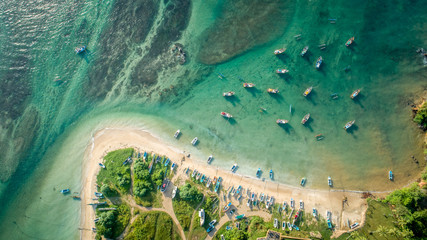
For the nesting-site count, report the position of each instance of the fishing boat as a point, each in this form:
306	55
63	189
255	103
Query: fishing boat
234	167
101	165
303	181
281	121
289	226
249	202
202	179
258	172
212	223
319	137
262	197
301	204
98	194
292	203
220	75
194	141
164	185
193	174
253	197
354	225
297	215
127	160
355	93
177	133
319	62
279	51
283	225
167	162
76	197
240	197
227	207
64	191
328	215
226	115
295	227
315	213
238	189
290	108
174	192
329	224
271	90
145	155
349	124
284	205
307	91
228	94
186	171
210	159
240	216
217	187
305	118
349	42
390	175
304	51
208	182
199	174
202	217
276	223
173	166
330	181
248	85
271	174
79	50
282	71
214	181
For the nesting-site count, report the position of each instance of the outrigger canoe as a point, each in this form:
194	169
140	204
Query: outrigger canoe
279	51
349	42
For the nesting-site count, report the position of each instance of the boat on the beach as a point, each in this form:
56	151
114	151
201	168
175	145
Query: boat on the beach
349	42
194	141
304	51
349	124
319	62
164	185
210	159
295	227
64	191
307	91
234	167
262	197
281	121
101	165
301	204
208	182
214	180
271	90
330	181
226	115
271	174
202	216
98	194
202	179
199	174
145	155
355	93
228	94
249	202
315	213
239	189
284	205
282	71
177	133
253	197
186	171
292	203
174	192
329	224
248	85
79	50
354	225
390	175
258	172
167	162
303	181
240	216
289	226
193	174
279	51
218	184
284	225
212	223
173	166
276	223
227	207
305	118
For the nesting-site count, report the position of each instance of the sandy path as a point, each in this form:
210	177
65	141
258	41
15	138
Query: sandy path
116	138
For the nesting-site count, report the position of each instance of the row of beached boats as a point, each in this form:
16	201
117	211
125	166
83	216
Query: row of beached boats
198	176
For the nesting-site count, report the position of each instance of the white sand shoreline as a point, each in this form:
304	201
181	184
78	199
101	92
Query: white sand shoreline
113	138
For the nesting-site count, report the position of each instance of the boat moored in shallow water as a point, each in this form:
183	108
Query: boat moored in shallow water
271	90
349	42
305	118
390	175
319	62
210	159
330	181
79	50
281	121
349	124
271	174
307	91
194	141
304	51
282	71
226	115
177	133
258	172
355	93
64	191
234	167
228	94
303	180
279	51
248	85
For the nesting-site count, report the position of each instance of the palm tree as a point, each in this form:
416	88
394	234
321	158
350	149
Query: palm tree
382	231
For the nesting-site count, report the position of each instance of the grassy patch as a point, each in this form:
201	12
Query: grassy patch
183	211
115	175
153	226
112	223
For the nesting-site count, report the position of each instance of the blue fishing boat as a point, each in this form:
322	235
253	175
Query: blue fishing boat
253	197
303	181
329	224
173	166
167	162
262	197
186	171
101	165
390	175
163	160
145	156
227	207
271	174
64	191
296	227
194	173
79	50
330	181
238	189
203	178
258	172
220	75
217	185
289	226
234	167
98	194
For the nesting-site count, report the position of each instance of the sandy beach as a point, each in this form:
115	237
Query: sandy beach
110	139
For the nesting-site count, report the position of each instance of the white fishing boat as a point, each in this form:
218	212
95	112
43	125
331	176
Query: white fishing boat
210	159
315	213
349	124
194	141
307	91
330	181
276	223
202	216
304	51
176	135
319	62
234	167
174	192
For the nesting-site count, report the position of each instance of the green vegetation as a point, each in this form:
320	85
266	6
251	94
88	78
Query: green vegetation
421	116
116	176
185	204
210	205
112	223
153	226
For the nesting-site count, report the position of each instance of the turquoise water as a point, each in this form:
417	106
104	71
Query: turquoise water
53	101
